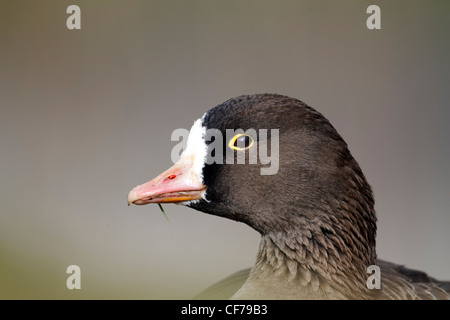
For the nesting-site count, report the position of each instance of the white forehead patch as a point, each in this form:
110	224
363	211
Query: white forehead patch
197	150
197	147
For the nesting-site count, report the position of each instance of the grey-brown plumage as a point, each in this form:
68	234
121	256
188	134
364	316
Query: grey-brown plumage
316	215
398	283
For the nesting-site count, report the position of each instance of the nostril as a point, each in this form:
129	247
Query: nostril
172	176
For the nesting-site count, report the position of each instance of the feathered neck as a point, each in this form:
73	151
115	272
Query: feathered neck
307	267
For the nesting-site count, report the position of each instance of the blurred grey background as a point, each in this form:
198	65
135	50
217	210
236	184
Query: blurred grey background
87	114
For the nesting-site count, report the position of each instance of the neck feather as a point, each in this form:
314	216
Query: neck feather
305	266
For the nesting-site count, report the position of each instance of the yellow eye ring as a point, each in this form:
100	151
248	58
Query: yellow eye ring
245	140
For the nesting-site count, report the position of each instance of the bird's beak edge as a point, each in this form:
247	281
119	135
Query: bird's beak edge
177	184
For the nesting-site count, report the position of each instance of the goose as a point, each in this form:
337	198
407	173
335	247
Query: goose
315	213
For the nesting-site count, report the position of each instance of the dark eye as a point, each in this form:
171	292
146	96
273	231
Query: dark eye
240	142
